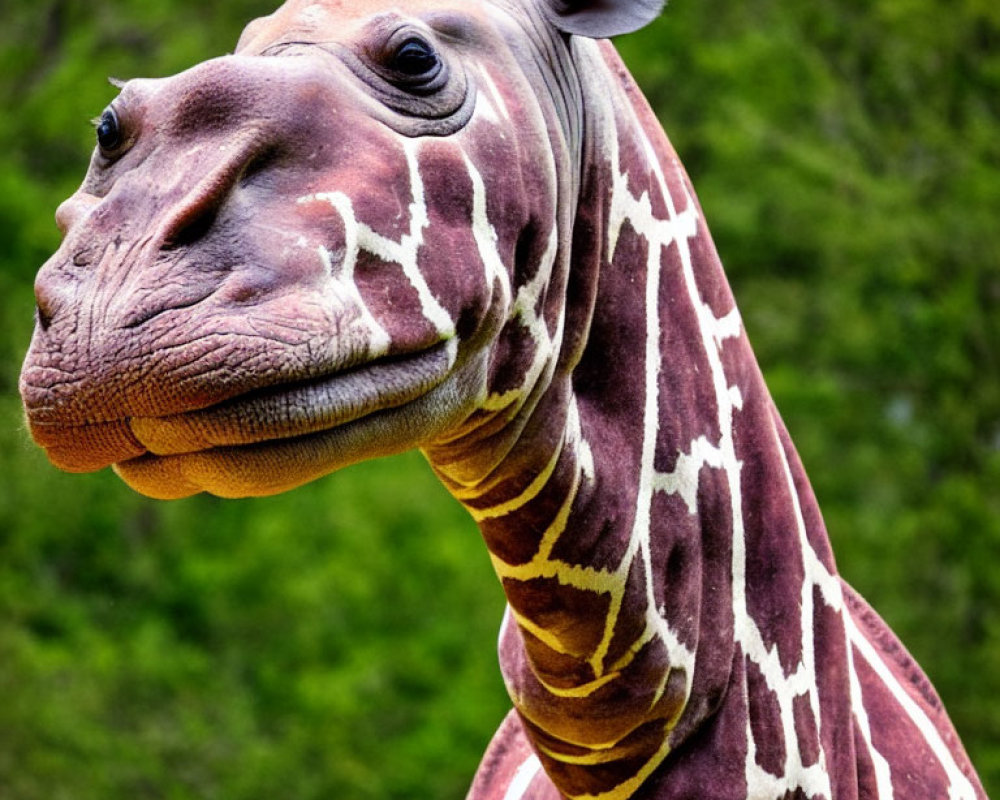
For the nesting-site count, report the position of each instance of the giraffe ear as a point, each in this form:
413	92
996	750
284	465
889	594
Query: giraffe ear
600	19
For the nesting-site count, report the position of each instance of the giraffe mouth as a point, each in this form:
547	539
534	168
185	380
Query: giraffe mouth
271	440
299	408
266	439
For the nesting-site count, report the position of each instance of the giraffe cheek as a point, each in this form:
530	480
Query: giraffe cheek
461	257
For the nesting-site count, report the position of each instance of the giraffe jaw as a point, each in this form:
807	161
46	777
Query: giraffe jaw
296	409
370	409
272	440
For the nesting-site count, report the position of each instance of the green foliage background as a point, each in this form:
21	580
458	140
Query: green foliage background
339	641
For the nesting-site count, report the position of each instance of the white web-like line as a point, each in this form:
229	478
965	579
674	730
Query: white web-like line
684	480
814	780
359	236
680	227
522	778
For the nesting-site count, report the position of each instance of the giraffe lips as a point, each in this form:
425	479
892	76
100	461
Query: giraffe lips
275	439
288	413
298	409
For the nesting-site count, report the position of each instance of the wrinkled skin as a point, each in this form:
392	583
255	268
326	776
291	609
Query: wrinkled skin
210	304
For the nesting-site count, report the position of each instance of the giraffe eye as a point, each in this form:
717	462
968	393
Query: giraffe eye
109	132
418	78
415	58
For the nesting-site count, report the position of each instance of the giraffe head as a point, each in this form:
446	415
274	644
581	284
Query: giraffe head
347	239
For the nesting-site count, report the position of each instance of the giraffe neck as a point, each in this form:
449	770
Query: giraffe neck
672	594
612	502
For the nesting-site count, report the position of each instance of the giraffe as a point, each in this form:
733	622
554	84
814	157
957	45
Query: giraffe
457	226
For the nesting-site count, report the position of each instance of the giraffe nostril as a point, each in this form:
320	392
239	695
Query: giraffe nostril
195	215
43	317
192	216
190	225
46	305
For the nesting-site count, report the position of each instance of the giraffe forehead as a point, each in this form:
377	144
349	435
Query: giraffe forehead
332	20
323	10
